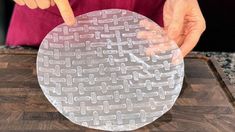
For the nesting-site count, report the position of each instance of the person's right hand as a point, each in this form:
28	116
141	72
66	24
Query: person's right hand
63	6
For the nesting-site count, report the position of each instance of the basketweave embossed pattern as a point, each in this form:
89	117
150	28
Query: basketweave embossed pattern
97	73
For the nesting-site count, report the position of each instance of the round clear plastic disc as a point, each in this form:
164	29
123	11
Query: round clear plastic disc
98	75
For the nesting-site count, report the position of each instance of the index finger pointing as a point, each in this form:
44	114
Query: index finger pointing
66	11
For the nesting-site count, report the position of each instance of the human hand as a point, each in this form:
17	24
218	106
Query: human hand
160	42
183	22
63	6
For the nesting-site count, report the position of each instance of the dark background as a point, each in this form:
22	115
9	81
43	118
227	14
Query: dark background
220	21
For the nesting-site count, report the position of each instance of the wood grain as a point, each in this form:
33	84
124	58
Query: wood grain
203	105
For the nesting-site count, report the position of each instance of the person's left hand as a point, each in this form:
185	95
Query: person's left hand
183	22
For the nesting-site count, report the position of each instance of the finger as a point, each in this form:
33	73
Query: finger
66	11
190	42
52	3
174	29
152	37
20	2
193	36
160	43
177	57
43	4
156	49
180	39
161	48
148	35
175	26
149	25
31	4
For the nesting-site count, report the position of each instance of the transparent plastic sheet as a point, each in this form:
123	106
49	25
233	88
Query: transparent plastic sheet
98	73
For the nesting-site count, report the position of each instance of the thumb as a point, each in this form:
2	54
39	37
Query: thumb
176	23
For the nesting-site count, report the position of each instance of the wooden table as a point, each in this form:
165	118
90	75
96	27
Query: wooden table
206	102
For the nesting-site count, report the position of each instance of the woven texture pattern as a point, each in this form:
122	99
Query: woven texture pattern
97	73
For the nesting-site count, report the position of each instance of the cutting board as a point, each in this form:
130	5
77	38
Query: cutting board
206	102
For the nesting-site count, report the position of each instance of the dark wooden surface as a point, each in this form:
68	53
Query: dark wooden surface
205	103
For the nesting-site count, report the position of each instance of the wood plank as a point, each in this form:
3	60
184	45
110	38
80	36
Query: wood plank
43	116
13	84
9	116
224	81
12	99
203	104
12	107
37	102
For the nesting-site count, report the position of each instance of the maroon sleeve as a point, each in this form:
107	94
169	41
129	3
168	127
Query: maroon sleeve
29	27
